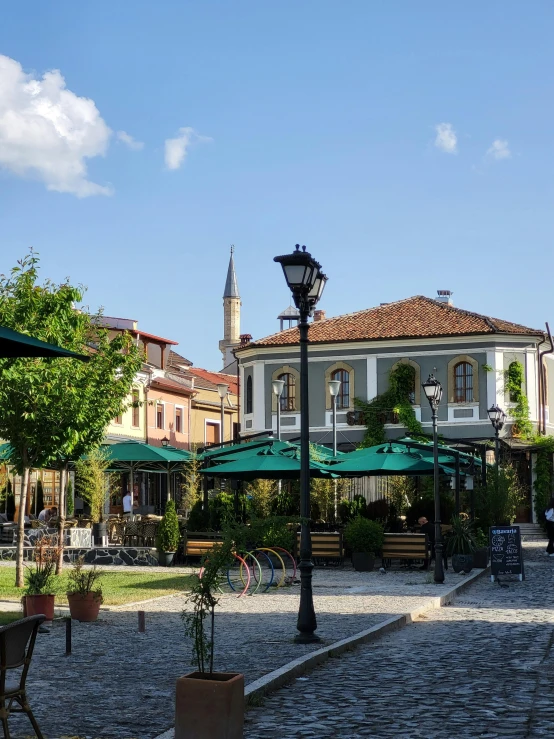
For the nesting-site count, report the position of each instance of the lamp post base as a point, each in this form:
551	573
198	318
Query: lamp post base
308	638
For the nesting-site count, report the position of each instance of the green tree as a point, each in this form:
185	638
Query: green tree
261	493
190	490
54	410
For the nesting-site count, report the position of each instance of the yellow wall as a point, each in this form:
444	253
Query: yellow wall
199	415
126	428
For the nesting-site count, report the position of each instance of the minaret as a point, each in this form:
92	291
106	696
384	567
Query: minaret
231	313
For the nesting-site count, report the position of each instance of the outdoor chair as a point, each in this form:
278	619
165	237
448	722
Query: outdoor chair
149	530
17	641
131	534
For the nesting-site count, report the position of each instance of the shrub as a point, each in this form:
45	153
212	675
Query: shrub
363	535
168	536
426	507
378	510
460	539
199	519
81	581
496	502
222	510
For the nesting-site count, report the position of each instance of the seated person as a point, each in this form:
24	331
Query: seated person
425	527
47	513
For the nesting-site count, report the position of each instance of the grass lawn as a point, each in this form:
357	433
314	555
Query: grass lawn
117	587
6	617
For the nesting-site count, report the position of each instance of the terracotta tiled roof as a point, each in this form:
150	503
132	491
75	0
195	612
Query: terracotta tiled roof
177	359
209	380
412	318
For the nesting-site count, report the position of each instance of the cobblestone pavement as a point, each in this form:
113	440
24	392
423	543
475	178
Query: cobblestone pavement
119	684
481	667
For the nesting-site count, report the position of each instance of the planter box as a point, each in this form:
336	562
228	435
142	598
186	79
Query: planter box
84	607
481	557
35	605
462	562
363	561
209	706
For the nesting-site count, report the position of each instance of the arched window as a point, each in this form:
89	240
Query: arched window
249	394
463	382
288	396
515	379
343	396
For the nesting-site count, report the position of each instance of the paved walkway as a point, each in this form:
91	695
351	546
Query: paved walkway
482	667
119	684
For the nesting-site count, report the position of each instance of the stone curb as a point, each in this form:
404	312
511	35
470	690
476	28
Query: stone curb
276	679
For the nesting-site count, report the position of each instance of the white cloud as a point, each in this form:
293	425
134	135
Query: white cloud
176	149
47	131
446	139
499	150
129	141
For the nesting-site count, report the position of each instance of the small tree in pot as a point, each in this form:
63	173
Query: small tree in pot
461	544
364	539
208	704
168	535
83	598
40	580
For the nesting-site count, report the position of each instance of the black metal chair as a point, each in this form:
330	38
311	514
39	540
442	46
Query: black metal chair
17	641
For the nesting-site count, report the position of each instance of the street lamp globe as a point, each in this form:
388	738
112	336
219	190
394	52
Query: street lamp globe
334	387
278	386
304	277
222	389
433	390
497	417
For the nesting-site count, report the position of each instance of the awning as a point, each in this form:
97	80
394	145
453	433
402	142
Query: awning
16	345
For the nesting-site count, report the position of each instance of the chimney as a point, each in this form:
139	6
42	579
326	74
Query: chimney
319	315
445	296
245	339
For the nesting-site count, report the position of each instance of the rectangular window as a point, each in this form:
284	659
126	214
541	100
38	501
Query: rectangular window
159	416
212	433
118	419
136	409
178	420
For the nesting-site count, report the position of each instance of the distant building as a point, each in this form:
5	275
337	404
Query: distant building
231	315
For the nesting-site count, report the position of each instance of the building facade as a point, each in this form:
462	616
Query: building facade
467	352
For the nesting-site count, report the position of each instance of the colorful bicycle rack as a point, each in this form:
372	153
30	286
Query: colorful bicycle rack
257	571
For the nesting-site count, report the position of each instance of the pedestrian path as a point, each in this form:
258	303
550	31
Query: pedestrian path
480	668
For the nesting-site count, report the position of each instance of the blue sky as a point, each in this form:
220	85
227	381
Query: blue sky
312	122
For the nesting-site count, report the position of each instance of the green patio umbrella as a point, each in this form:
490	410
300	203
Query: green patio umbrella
266	464
135	456
386	461
16	345
394	448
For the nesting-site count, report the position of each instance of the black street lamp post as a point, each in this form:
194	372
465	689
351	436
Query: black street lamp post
306	282
433	393
498	419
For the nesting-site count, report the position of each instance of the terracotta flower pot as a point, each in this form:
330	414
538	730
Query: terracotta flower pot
35	605
84	607
209	706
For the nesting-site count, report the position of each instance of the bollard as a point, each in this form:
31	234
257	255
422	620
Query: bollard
141	622
68	636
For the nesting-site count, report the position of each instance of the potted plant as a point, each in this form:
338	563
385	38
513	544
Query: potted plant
461	544
39	592
208	704
168	535
83	598
364	539
481	553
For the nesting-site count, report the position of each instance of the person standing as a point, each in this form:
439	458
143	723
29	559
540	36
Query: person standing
127	504
549	515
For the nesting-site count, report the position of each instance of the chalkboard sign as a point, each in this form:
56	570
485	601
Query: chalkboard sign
506	554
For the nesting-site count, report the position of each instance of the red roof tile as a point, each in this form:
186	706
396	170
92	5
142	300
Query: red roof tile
211	379
412	318
166	384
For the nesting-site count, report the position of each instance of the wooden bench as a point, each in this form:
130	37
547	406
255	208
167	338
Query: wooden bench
326	546
405	546
198	543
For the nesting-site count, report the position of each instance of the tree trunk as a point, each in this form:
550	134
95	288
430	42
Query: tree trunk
19	579
61	519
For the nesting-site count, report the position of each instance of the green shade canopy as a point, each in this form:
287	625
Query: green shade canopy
16	345
394	448
133	451
5	452
250	448
387	460
265	464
